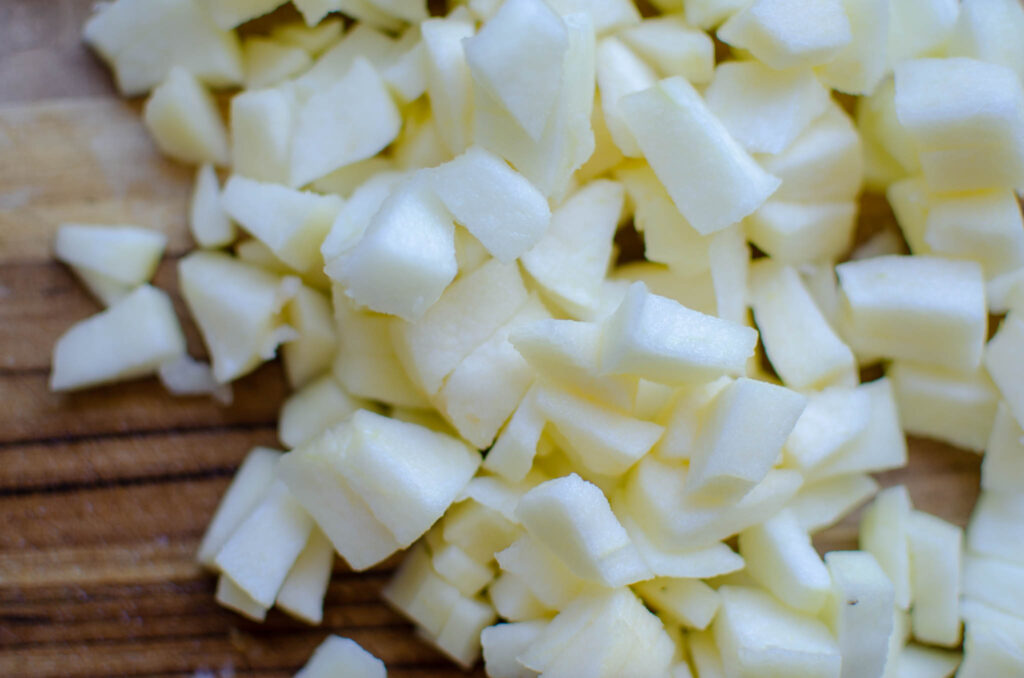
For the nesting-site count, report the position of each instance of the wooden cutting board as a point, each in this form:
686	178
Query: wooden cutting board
105	494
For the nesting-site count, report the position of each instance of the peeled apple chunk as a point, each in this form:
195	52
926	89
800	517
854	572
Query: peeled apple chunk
832	419
502	643
780	557
659	339
863	62
572	518
130	339
619	72
261	123
1002	467
799	232
236	306
127	255
988	30
209	225
788	33
339	657
919	27
1003	362
674	128
892	302
184	121
143	42
935	575
859	612
985	226
759	637
673	47
997	526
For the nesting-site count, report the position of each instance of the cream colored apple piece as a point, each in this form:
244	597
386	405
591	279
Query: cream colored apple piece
302	593
362	40
105	290
728	264
360	115
237	308
969	137
859	612
291	223
776	32
419	145
684	416
231	13
859	66
310	314
691	602
883	534
824	503
935	578
355	216
985	226
832	419
125	255
185	376
503	643
707	660
659	339
779	556
512	454
269	62
574	520
704	14
891	302
954	407
459	639
607	16
467	314
456	567
209	224
449	81
345	180
919	661
993	582
130	339
696	292
406	258
571	260
313	409
367	366
671	124
880	446
1002	467
261	550
620	72
606	155
997	525
824	164
338	656
746	427
990	651
261	124
800	232
513	600
763	109
494	202
988	31
679	561
142	43
229	595
247	488
919	27
567	352
673	47
413	11
406	75
757	636
1002	360
313	39
420	594
483	391
801	345
880	125
600	439
547	577
184	121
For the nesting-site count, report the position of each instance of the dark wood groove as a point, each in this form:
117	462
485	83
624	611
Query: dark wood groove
137	433
167	478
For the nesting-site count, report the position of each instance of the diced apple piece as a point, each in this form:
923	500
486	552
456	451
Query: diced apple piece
449	80
459	639
503	643
1002	360
883	534
229	595
420	594
478	530
935	575
832	419
707	660
105	290
859	612
987	30
184	121
607	16
349	121
261	125
824	503
673	47
362	41
572	259
512	454
313	409
600	439
338	656
802	347
728	263
513	600
971	135
406	258
313	39
130	339
355	216
953	407
993	582
986	227
776	32
461	571
269	62
185	376
262	549
208	223
997	526
691	602
247	488
620	72
494	202
780	557
891	302
758	636
671	123
1002	468
765	110
309	313
799	232
747	425
544	573
680	562
573	518
302	593
126	255
684	417
990	651
919	27
231	13
859	66
142	43
659	339
918	661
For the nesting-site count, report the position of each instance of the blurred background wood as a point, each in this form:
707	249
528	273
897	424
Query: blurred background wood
104	494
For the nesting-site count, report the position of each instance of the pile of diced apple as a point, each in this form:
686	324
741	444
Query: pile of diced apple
600	465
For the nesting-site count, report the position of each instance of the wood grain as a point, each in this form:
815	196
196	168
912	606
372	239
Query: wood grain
105	494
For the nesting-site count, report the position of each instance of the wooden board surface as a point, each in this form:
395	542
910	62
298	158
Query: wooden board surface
104	494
